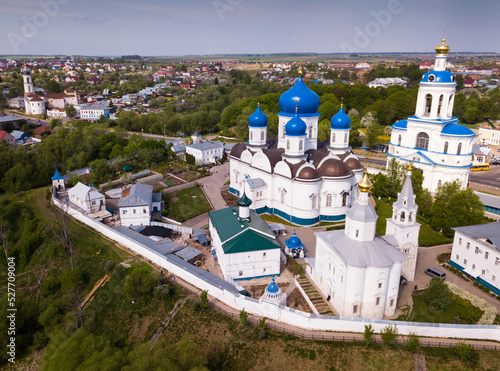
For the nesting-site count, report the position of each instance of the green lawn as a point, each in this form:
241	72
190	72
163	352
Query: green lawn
458	309
426	237
187	203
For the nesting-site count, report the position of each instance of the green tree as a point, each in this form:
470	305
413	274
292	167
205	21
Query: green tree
70	111
368	334
204	299
243	316
100	172
455	207
139	284
413	343
53	87
389	334
437	294
463	351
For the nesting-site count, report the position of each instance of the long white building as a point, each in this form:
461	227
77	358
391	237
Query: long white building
432	139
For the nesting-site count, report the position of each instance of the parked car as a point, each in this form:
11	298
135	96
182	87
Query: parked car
495	162
434	272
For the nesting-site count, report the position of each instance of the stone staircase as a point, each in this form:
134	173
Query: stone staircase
314	296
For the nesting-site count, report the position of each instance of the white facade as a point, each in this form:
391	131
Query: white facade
361	271
489	136
87	198
431	139
56	112
136	204
93	112
296	177
33	104
135	215
205	152
476	252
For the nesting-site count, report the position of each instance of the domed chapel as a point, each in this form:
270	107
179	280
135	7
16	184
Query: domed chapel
297	177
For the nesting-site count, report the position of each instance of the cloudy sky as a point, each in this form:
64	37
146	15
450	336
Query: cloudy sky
200	27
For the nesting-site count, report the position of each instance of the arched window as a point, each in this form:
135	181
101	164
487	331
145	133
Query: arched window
445	147
300	146
283	193
459	149
399	140
345	138
345	196
410	216
440	104
333	138
313	201
328	200
402	216
439	183
428	104
288	144
450	107
251	135
261	135
422	141
283	131
310	132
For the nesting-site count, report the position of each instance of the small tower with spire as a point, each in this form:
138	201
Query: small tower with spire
404	227
339	131
257	127
361	218
244	207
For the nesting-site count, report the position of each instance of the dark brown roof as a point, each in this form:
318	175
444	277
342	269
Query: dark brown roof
334	167
274	156
308	173
237	150
354	164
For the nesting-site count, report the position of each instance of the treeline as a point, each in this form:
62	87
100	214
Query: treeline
23	168
450	207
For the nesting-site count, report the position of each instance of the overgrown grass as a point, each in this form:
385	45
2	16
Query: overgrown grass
187	203
459	311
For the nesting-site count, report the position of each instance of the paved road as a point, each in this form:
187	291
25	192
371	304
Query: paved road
488	178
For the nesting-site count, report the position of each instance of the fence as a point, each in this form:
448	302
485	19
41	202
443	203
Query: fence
304	325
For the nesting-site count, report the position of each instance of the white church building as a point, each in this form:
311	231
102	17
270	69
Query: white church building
295	176
360	271
432	139
34	104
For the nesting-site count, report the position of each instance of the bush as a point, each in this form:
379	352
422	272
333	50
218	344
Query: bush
437	294
204	299
368	334
139	284
389	334
243	316
413	343
463	351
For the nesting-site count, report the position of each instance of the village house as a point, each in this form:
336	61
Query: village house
7	137
136	204
87	198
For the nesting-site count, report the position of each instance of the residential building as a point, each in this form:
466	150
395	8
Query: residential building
94	112
385	82
61	100
56	112
489	136
7	137
244	244
432	139
87	198
20	137
205	151
16	102
476	252
136	204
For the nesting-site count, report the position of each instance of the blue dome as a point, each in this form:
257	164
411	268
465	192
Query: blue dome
400	125
340	120
440	77
258	119
294	242
57	176
295	126
273	287
457	130
300	96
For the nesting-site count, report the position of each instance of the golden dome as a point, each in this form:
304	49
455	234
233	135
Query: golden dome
365	185
442	49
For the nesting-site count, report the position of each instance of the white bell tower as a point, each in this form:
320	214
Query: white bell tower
27	82
404	227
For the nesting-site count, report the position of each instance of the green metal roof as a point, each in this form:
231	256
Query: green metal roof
254	235
249	240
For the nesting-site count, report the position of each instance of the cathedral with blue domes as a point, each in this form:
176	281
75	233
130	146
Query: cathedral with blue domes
295	176
432	139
